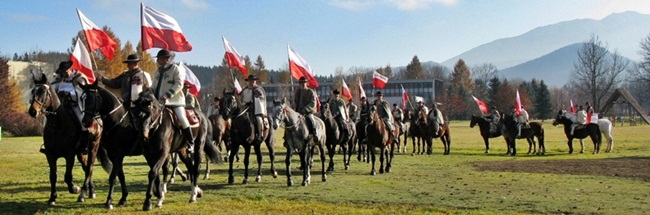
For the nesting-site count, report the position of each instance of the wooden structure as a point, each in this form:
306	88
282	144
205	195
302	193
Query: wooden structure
622	94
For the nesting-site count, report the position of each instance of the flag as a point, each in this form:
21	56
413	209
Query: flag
190	78
378	80
298	68
233	58
481	105
573	109
237	86
362	93
162	31
96	37
345	90
589	117
81	61
518	104
405	98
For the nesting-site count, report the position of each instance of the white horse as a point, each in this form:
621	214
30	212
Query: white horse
605	127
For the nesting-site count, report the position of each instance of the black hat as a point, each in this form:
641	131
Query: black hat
336	92
64	66
378	93
131	58
251	77
363	98
164	53
394	104
302	79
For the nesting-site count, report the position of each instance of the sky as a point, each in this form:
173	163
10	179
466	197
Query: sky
328	34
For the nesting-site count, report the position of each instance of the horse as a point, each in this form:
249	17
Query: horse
297	140
484	128
362	147
61	139
534	130
590	130
335	137
415	132
222	122
428	130
242	134
606	128
378	137
163	137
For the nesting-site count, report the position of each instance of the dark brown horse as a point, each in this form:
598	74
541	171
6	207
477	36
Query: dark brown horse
378	137
61	139
415	131
335	137
484	127
429	133
164	137
589	130
532	131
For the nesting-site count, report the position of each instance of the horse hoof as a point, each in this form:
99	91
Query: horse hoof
347	167
81	199
275	174
92	196
373	173
171	181
245	181
75	190
122	203
304	183
258	178
289	183
51	203
231	180
324	178
412	154
381	171
146	207
330	169
109	206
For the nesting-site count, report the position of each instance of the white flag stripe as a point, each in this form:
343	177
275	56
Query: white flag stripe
156	19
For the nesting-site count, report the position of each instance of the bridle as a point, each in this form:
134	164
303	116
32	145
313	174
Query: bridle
46	97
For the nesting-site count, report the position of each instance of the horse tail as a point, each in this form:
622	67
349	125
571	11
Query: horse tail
211	151
102	156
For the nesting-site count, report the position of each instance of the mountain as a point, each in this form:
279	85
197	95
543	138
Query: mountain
621	31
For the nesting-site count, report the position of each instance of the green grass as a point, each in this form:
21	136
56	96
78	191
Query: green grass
420	184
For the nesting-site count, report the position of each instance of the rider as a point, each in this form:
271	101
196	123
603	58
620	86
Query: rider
353	110
68	86
522	119
399	116
131	82
435	115
168	84
254	96
422	110
305	101
340	113
581	119
214	108
589	108
383	108
493	118
191	102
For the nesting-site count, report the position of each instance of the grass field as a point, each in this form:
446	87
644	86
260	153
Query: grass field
421	184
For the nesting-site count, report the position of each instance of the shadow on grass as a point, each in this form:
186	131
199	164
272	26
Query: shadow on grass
32	207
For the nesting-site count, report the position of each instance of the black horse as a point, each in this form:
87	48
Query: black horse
534	129
484	128
428	129
61	139
335	137
589	130
242	134
163	137
362	147
415	131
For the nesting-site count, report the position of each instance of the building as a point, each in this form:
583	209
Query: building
429	89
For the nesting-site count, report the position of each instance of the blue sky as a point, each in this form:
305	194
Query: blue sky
326	33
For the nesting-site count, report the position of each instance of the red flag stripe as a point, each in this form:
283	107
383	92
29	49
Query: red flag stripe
378	80
233	58
81	61
298	68
345	90
96	37
162	31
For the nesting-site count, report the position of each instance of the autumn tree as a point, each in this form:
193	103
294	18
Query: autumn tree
260	70
461	86
414	69
12	116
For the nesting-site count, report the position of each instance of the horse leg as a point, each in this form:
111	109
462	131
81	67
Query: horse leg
487	145
331	150
610	142
570	143
304	162
87	165
231	158
69	164
258	153
154	170
247	153
269	145
321	149
194	164
513	145
207	168
52	164
287	162
414	142
373	171
582	146
346	153
122	178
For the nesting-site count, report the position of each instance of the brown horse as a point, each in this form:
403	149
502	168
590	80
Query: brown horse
378	137
61	139
429	133
534	129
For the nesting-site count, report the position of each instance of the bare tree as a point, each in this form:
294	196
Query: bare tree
597	71
642	70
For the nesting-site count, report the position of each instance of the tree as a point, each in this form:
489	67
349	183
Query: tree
494	85
505	98
543	107
642	71
414	69
460	87
595	74
261	71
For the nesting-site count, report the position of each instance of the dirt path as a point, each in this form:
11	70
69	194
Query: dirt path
629	167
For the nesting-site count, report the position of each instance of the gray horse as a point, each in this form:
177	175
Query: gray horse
296	139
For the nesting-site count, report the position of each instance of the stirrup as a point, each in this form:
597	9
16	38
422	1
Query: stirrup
190	148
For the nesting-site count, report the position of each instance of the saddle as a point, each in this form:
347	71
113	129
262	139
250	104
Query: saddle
580	126
525	125
189	113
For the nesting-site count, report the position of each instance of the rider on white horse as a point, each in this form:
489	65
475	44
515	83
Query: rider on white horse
581	119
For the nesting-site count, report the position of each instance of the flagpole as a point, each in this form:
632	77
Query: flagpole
409	98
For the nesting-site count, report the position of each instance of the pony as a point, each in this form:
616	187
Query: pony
378	137
589	130
242	134
296	137
61	139
428	130
163	137
509	131
335	137
606	128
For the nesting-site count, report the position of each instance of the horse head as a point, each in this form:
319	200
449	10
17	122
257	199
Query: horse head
228	104
93	102
473	121
43	97
561	117
146	112
326	110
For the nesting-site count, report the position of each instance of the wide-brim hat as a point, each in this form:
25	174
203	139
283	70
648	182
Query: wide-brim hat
336	92
378	93
251	77
164	53
63	66
363	98
132	58
302	79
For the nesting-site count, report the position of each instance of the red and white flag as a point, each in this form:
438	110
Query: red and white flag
378	80
191	79
481	105
237	86
573	109
518	104
233	58
345	90
81	61
160	30
362	93
405	98
96	37
298	68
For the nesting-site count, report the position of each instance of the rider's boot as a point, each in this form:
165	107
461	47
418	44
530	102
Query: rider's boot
187	133
258	131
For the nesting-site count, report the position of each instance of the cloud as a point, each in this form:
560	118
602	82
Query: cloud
23	17
357	5
195	4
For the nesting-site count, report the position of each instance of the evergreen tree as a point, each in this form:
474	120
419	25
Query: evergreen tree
414	69
460	87
543	106
494	85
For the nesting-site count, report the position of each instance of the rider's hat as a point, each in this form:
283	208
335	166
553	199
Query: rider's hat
378	93
303	79
164	53
131	59
336	92
63	66
251	77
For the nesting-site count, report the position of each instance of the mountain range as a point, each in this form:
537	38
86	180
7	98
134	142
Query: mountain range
549	52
